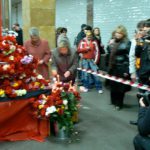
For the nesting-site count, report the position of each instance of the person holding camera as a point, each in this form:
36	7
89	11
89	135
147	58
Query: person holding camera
142	140
139	33
142	52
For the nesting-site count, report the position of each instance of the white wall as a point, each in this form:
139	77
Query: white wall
108	14
71	14
17	12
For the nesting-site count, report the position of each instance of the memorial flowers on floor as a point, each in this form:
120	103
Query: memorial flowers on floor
59	106
18	73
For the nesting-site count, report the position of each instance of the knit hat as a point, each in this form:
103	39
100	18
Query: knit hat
88	28
63	43
83	26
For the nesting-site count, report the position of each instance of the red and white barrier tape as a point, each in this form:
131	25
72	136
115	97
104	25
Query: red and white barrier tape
117	79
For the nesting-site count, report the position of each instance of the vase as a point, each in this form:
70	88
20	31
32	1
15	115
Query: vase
60	133
63	133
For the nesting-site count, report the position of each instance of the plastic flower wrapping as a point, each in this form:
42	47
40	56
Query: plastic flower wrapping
17	70
59	106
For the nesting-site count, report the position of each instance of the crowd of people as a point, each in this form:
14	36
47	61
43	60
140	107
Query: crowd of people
125	58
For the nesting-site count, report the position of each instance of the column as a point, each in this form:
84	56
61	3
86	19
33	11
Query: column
90	12
5	10
40	14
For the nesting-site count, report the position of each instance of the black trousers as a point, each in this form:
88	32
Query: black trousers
141	143
117	98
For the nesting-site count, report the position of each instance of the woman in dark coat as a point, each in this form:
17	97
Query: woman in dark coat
97	37
119	65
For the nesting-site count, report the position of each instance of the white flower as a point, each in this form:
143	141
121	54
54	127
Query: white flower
31	56
34	71
19	50
20	92
12	48
54	79
4	42
50	110
33	79
5	67
39	76
22	76
43	102
11	58
65	102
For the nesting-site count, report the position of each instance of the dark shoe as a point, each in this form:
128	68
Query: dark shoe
133	122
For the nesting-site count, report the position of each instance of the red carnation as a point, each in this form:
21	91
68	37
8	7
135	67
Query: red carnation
42	112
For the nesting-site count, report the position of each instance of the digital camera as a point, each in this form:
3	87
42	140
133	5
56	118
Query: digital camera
145	96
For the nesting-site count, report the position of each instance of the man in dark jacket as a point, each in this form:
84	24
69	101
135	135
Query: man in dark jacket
80	35
142	140
143	53
19	38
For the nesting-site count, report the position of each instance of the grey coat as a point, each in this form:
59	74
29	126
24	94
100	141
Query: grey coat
63	63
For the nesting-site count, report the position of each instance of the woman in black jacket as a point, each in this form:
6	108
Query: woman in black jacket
119	65
97	37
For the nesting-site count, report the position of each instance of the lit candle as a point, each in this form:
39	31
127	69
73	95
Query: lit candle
58	78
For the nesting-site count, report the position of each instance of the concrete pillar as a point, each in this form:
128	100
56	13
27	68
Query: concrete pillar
90	12
5	12
40	14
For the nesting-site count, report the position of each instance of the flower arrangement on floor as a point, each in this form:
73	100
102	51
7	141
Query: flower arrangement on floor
17	70
18	76
59	106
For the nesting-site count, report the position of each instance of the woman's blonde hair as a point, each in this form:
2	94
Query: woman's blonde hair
122	29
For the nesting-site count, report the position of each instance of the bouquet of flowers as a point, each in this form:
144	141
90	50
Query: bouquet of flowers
17	70
59	106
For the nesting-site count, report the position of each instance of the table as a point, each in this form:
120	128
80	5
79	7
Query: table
18	123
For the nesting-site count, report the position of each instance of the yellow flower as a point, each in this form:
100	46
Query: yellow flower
11	58
2	92
37	83
57	109
15	84
42	87
41	106
62	107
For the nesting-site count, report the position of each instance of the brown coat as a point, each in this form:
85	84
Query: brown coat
63	63
40	51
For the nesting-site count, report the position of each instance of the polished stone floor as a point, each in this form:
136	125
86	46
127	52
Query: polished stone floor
100	127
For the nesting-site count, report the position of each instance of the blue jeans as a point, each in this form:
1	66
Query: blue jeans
141	143
87	77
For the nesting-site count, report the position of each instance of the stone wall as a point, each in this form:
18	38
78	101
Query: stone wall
41	14
110	13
